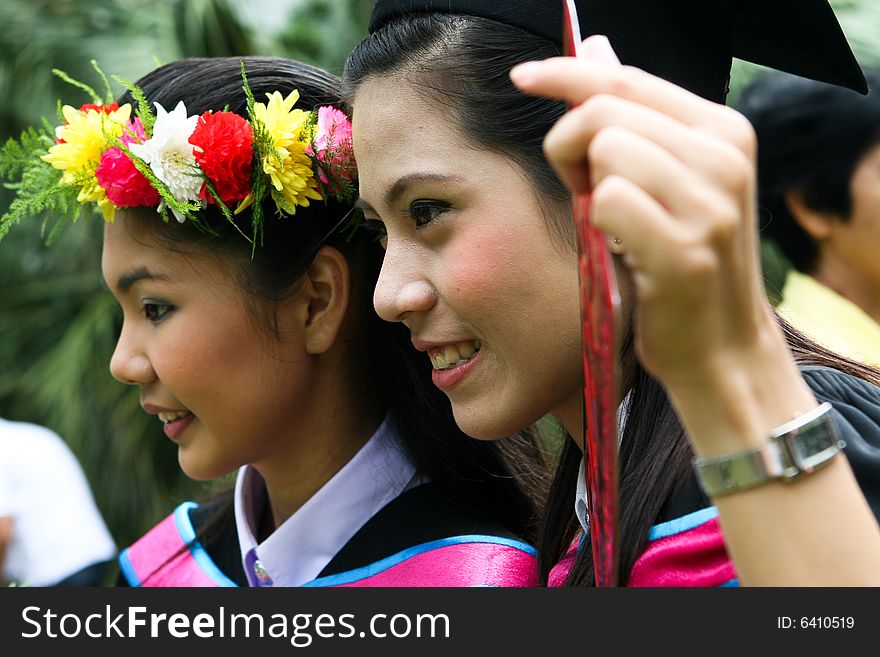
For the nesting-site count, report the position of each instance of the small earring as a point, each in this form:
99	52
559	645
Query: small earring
615	245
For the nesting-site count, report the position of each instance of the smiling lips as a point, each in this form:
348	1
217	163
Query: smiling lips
453	355
171	416
174	423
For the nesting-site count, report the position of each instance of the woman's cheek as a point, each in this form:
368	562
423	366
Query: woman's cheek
480	269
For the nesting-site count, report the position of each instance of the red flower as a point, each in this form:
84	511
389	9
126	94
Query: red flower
112	107
224	150
125	186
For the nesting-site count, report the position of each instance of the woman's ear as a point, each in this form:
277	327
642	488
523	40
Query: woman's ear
327	288
817	224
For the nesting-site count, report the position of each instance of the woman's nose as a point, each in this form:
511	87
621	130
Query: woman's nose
129	363
402	288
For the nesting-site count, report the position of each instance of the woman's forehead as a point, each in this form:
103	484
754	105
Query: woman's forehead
393	120
398	130
393	103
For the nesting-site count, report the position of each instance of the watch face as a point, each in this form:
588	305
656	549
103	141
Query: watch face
811	446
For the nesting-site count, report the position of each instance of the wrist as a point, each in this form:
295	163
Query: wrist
793	450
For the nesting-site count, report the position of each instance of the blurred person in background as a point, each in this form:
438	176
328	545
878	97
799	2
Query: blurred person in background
51	531
819	189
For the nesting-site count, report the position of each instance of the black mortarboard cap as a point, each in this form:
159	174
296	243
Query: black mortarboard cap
689	42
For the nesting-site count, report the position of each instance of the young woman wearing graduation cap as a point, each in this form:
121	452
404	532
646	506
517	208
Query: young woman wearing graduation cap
481	266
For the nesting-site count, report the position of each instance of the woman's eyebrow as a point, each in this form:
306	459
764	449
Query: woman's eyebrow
405	182
124	282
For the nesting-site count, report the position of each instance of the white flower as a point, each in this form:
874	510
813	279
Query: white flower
170	155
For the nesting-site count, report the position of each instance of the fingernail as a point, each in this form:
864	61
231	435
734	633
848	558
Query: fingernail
598	48
525	73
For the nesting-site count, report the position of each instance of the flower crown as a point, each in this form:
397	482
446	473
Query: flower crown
104	157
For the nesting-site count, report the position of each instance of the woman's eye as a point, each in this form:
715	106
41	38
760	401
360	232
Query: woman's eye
425	211
156	311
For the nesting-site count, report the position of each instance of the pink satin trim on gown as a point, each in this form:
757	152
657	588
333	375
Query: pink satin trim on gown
468	564
696	557
149	554
465	564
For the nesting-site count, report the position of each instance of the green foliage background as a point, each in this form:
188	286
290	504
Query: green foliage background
58	325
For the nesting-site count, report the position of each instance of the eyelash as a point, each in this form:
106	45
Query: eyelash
436	208
156	317
376	227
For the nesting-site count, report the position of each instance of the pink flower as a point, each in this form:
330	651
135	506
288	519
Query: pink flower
126	187
333	149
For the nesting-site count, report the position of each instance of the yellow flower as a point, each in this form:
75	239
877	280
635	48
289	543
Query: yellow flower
291	171
84	137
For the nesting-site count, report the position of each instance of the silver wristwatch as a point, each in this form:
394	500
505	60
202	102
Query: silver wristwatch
796	448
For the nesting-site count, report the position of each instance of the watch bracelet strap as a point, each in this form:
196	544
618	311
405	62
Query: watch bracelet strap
796	448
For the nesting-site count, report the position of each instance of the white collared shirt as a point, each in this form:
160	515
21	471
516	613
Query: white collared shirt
581	505
298	550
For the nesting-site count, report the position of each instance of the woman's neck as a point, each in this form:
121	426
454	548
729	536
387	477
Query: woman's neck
340	419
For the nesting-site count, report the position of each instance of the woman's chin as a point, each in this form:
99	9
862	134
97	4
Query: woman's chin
198	469
482	425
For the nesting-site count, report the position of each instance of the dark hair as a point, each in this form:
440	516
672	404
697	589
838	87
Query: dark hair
467	60
501	481
811	138
462	62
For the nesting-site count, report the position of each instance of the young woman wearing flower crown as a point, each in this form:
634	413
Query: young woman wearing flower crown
481	262
245	291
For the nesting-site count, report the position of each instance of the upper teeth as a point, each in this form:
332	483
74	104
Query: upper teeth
173	415
449	356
